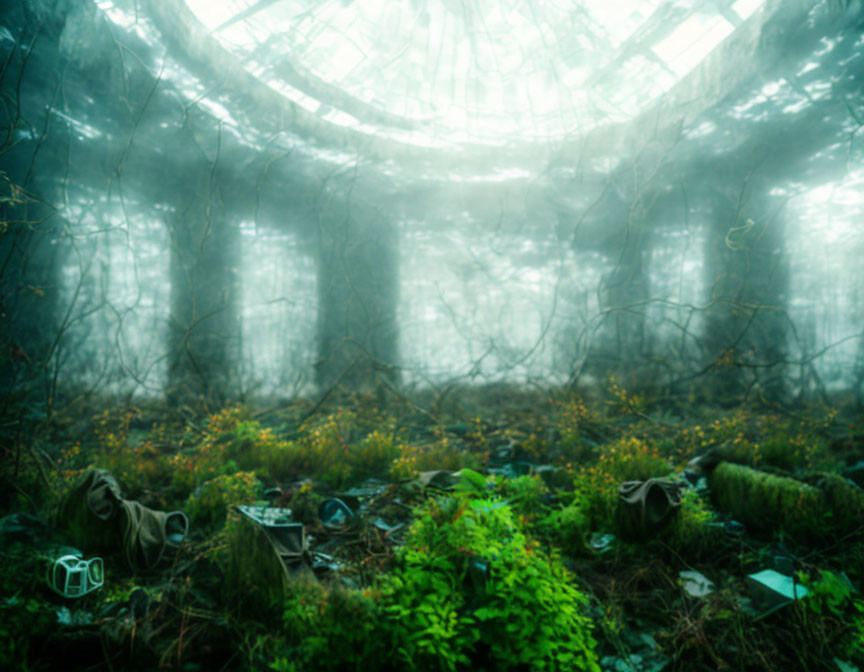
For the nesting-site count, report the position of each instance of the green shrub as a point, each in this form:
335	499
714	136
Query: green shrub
574	421
525	493
232	442
443	454
834	613
208	506
471	590
568	525
692	534
373	455
330	627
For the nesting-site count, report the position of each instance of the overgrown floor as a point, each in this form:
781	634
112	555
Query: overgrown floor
483	530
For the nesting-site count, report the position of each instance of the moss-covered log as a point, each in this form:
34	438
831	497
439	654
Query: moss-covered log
766	502
844	499
817	507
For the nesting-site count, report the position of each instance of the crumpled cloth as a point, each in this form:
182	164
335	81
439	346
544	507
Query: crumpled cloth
98	519
646	506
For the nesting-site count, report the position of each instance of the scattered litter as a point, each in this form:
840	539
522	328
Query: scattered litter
72	576
372	488
176	527
784	561
269	516
323	563
384	526
358	497
771	589
843	666
513	469
438	479
695	478
645	507
334	513
635	662
288	537
601	542
466	480
695	583
734	528
637	650
502	454
66	616
273	494
264	549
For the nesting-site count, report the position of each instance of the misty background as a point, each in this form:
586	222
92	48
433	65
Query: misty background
246	199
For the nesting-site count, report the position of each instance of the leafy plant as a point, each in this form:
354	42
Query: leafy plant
568	525
831	597
373	455
692	534
525	493
623	401
330	628
473	589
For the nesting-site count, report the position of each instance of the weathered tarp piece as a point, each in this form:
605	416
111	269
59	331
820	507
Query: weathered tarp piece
96	517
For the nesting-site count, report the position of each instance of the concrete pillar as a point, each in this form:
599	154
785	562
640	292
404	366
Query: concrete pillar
620	346
204	328
357	293
746	326
30	311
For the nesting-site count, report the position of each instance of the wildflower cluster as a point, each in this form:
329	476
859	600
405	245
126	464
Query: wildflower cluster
623	401
441	454
210	503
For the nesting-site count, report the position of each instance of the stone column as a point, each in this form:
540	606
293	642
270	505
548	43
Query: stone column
357	294
620	346
30	284
204	328
746	326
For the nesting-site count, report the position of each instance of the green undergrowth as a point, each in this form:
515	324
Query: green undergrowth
486	595
469	591
516	562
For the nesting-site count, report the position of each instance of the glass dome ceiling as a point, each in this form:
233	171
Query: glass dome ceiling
453	71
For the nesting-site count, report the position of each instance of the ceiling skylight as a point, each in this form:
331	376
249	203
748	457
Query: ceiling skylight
463	70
